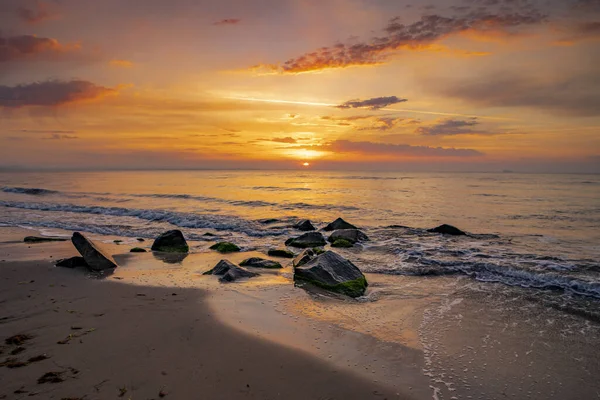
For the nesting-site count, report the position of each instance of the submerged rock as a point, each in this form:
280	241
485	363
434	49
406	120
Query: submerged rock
349	235
257	262
333	272
225	247
305	225
268	221
93	256
304	257
342	243
283	253
137	250
41	239
447	230
73	262
230	272
309	239
171	242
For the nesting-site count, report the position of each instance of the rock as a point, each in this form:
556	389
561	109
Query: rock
236	273
171	242
117	241
305	225
72	262
230	272
268	221
221	268
447	230
93	256
309	239
339	224
304	257
208	234
141	239
41	239
333	272
137	250
225	247
256	262
284	253
349	235
342	243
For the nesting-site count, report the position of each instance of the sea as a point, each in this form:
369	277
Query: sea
531	255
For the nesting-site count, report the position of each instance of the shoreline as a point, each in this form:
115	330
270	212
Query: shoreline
441	338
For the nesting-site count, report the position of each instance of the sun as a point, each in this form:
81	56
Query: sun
306	164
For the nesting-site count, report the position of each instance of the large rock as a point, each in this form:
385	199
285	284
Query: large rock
333	272
95	258
309	239
339	224
257	262
229	271
73	262
171	242
350	235
305	225
447	230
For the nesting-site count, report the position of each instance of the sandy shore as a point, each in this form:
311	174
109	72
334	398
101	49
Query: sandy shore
160	328
106	339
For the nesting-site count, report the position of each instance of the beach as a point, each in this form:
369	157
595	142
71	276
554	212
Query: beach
159	328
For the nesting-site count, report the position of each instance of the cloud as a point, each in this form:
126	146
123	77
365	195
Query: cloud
567	95
51	93
289	140
398	36
373	104
56	136
451	127
121	63
39	12
346	146
21	47
228	21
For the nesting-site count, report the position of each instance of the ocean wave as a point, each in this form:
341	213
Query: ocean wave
507	275
31	191
280	189
180	219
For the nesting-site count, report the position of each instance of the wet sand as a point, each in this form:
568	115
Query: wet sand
107	339
157	326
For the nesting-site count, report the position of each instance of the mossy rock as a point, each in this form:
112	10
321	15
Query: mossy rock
355	288
225	247
118	241
41	239
318	250
137	250
343	243
256	262
283	253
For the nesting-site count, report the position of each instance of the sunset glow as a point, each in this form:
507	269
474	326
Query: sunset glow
470	85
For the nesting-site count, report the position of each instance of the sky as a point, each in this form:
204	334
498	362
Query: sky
456	85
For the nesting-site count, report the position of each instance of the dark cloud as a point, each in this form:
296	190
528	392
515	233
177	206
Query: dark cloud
228	21
56	136
417	35
451	127
51	93
29	46
346	146
37	12
374	104
571	95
